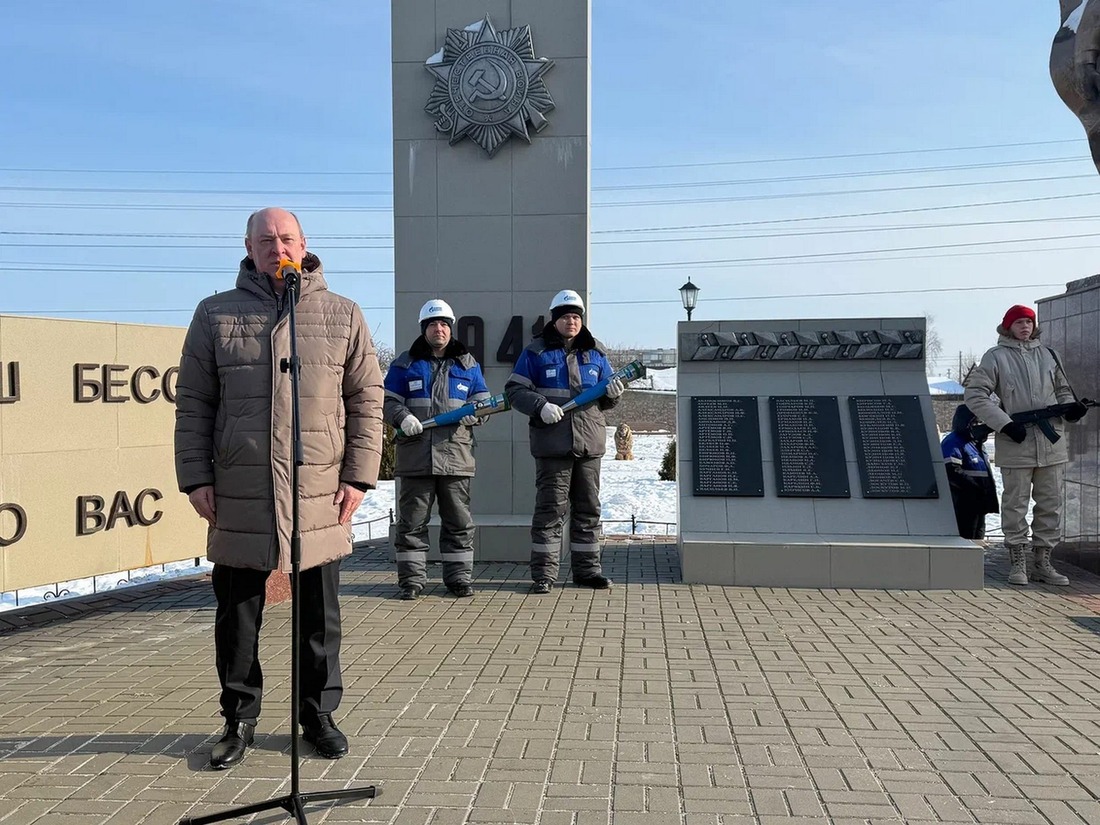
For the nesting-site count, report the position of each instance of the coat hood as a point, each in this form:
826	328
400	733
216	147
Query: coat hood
552	339
960	424
420	349
313	277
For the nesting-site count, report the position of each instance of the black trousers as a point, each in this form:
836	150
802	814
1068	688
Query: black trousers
971	521
240	593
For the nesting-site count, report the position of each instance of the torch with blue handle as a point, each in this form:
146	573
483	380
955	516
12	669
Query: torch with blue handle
481	409
632	371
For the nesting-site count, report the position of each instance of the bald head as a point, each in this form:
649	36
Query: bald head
271	235
262	214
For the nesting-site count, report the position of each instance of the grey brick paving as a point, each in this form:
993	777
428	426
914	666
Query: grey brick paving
654	703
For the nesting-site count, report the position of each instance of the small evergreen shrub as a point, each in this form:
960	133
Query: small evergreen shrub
385	471
667	470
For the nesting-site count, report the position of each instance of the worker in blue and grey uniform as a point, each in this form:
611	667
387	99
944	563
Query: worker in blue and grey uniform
559	364
435	375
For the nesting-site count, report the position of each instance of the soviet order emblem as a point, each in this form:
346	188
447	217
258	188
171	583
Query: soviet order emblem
488	85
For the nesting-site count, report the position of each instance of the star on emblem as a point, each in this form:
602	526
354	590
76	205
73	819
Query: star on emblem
488	85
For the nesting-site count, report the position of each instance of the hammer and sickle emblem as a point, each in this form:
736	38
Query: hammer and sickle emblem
485	90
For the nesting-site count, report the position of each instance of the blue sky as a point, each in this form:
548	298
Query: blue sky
222	107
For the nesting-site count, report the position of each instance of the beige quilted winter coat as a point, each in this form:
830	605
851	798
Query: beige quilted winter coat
233	417
1025	376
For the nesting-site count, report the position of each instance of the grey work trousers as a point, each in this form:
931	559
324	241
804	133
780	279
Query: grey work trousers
1021	484
456	534
561	483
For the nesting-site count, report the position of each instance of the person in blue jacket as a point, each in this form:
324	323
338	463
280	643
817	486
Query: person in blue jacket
435	375
558	365
973	491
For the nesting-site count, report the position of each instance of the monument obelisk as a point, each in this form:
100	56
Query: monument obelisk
491	177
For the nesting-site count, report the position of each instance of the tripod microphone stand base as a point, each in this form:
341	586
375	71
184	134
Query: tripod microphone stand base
291	803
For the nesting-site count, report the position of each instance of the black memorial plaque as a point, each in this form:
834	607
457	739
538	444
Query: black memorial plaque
726	433
807	447
892	449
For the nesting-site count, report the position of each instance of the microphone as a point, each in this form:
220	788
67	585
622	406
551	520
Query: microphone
289	273
286	268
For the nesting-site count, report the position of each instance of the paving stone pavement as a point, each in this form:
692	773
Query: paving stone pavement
655	702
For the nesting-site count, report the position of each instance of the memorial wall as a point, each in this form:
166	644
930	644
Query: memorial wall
808	456
1070	323
87	477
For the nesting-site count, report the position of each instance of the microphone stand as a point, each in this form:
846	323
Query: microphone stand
293	802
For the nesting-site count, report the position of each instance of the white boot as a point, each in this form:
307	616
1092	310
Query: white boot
1044	571
1017	555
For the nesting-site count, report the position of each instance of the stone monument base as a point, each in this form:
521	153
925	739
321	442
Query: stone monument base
832	561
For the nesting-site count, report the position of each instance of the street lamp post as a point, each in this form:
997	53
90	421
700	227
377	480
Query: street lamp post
689	294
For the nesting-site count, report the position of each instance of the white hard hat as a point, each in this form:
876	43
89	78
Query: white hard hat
567	298
437	309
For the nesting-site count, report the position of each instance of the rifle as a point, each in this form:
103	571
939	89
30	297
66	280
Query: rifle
632	371
482	409
1040	418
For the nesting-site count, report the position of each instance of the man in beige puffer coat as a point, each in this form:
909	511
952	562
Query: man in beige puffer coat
234	460
1025	375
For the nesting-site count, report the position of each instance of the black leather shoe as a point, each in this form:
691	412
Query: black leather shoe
542	586
325	737
462	591
409	594
596	582
230	749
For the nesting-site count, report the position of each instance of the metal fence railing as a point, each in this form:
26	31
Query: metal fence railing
634	521
94	585
388	518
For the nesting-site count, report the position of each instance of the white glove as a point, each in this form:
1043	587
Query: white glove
615	387
551	413
411	425
468	420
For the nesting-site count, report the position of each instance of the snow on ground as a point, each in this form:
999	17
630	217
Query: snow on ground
632	487
658	380
372	519
627	487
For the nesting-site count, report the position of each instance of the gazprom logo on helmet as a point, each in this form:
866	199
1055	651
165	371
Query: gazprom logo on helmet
436	308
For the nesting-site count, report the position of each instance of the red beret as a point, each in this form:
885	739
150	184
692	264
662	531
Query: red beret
1016	313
